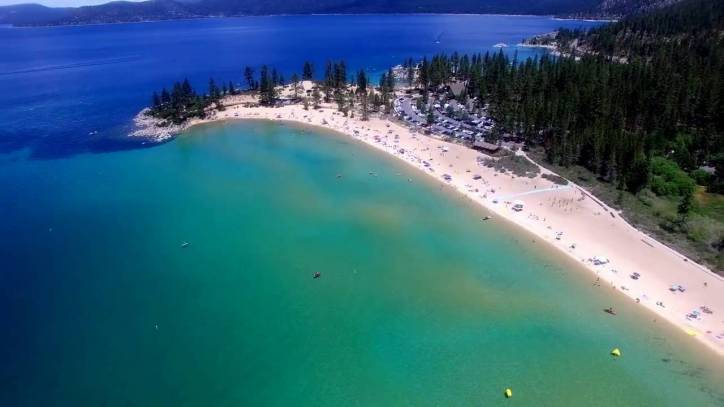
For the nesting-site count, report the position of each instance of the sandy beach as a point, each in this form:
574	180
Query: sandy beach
567	217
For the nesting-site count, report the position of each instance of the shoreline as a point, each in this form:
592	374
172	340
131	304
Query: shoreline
568	218
209	17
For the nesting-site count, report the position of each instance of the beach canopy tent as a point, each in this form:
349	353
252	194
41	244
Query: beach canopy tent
598	260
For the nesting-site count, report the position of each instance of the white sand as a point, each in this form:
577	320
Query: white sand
549	210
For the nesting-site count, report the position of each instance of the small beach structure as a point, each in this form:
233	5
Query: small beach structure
518	205
482	145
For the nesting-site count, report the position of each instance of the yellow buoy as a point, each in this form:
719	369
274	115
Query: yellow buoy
508	393
616	352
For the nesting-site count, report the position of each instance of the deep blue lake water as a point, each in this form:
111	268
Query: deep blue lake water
68	90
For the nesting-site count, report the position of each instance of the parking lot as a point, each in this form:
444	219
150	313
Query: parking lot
474	128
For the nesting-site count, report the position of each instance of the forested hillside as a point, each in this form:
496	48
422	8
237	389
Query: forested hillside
124	11
622	8
673	84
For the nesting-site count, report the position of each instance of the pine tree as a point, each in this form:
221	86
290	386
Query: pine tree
186	89
316	98
361	82
341	103
295	85
274	77
308	71
340	75
364	103
214	93
165	97
350	103
328	82
265	83
410	72
249	78
390	81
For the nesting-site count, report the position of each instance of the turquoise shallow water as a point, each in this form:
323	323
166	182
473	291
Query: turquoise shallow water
419	303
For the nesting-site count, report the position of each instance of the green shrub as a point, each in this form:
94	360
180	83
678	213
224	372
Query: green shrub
667	179
555	179
519	166
701	177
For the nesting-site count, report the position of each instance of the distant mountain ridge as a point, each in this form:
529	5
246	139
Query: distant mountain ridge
31	14
623	8
123	11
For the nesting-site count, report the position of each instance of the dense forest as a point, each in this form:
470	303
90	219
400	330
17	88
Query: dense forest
687	29
666	100
622	8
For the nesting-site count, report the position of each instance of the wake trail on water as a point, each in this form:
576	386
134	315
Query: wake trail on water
84	64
